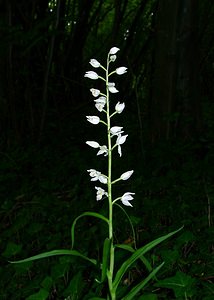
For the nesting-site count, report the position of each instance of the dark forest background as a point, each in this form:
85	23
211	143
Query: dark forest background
45	48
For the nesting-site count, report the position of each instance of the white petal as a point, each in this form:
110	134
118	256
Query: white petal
127	196
94	178
93	119
103	150
121	139
115	130
93	144
126	175
114	50
112	90
94	63
100	103
126	203
91	172
101	99
91	75
99	106
121	70
100	193
111	87
119	150
94	173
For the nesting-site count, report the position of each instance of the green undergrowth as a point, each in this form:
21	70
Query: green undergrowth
43	190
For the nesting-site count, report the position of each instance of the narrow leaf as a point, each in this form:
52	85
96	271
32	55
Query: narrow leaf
55	253
90	214
130	222
142	258
141	285
105	260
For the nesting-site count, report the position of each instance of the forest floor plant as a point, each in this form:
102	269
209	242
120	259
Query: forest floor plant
111	275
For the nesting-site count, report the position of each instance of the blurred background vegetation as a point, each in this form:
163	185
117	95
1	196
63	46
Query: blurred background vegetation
45	47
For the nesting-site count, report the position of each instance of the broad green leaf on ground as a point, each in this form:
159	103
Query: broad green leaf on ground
182	284
11	249
41	295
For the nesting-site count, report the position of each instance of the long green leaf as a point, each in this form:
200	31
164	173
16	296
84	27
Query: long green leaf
105	259
138	253
141	285
54	253
87	213
130	222
142	258
97	298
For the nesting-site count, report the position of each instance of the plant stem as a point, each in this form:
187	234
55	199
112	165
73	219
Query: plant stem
111	259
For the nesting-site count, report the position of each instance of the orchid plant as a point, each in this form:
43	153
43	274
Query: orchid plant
115	138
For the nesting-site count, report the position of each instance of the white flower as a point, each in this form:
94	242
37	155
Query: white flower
99	106
100	193
116	130
95	92
93	119
96	175
119	107
121	70
103	149
126	175
120	140
113	58
111	87
126	198
101	99
94	63
91	75
100	103
114	50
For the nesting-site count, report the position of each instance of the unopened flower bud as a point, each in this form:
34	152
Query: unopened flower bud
114	50
126	175
119	107
94	63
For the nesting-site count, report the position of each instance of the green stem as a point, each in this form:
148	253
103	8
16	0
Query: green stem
111	262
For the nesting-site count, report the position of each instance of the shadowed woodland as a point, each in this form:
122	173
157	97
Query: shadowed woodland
45	48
